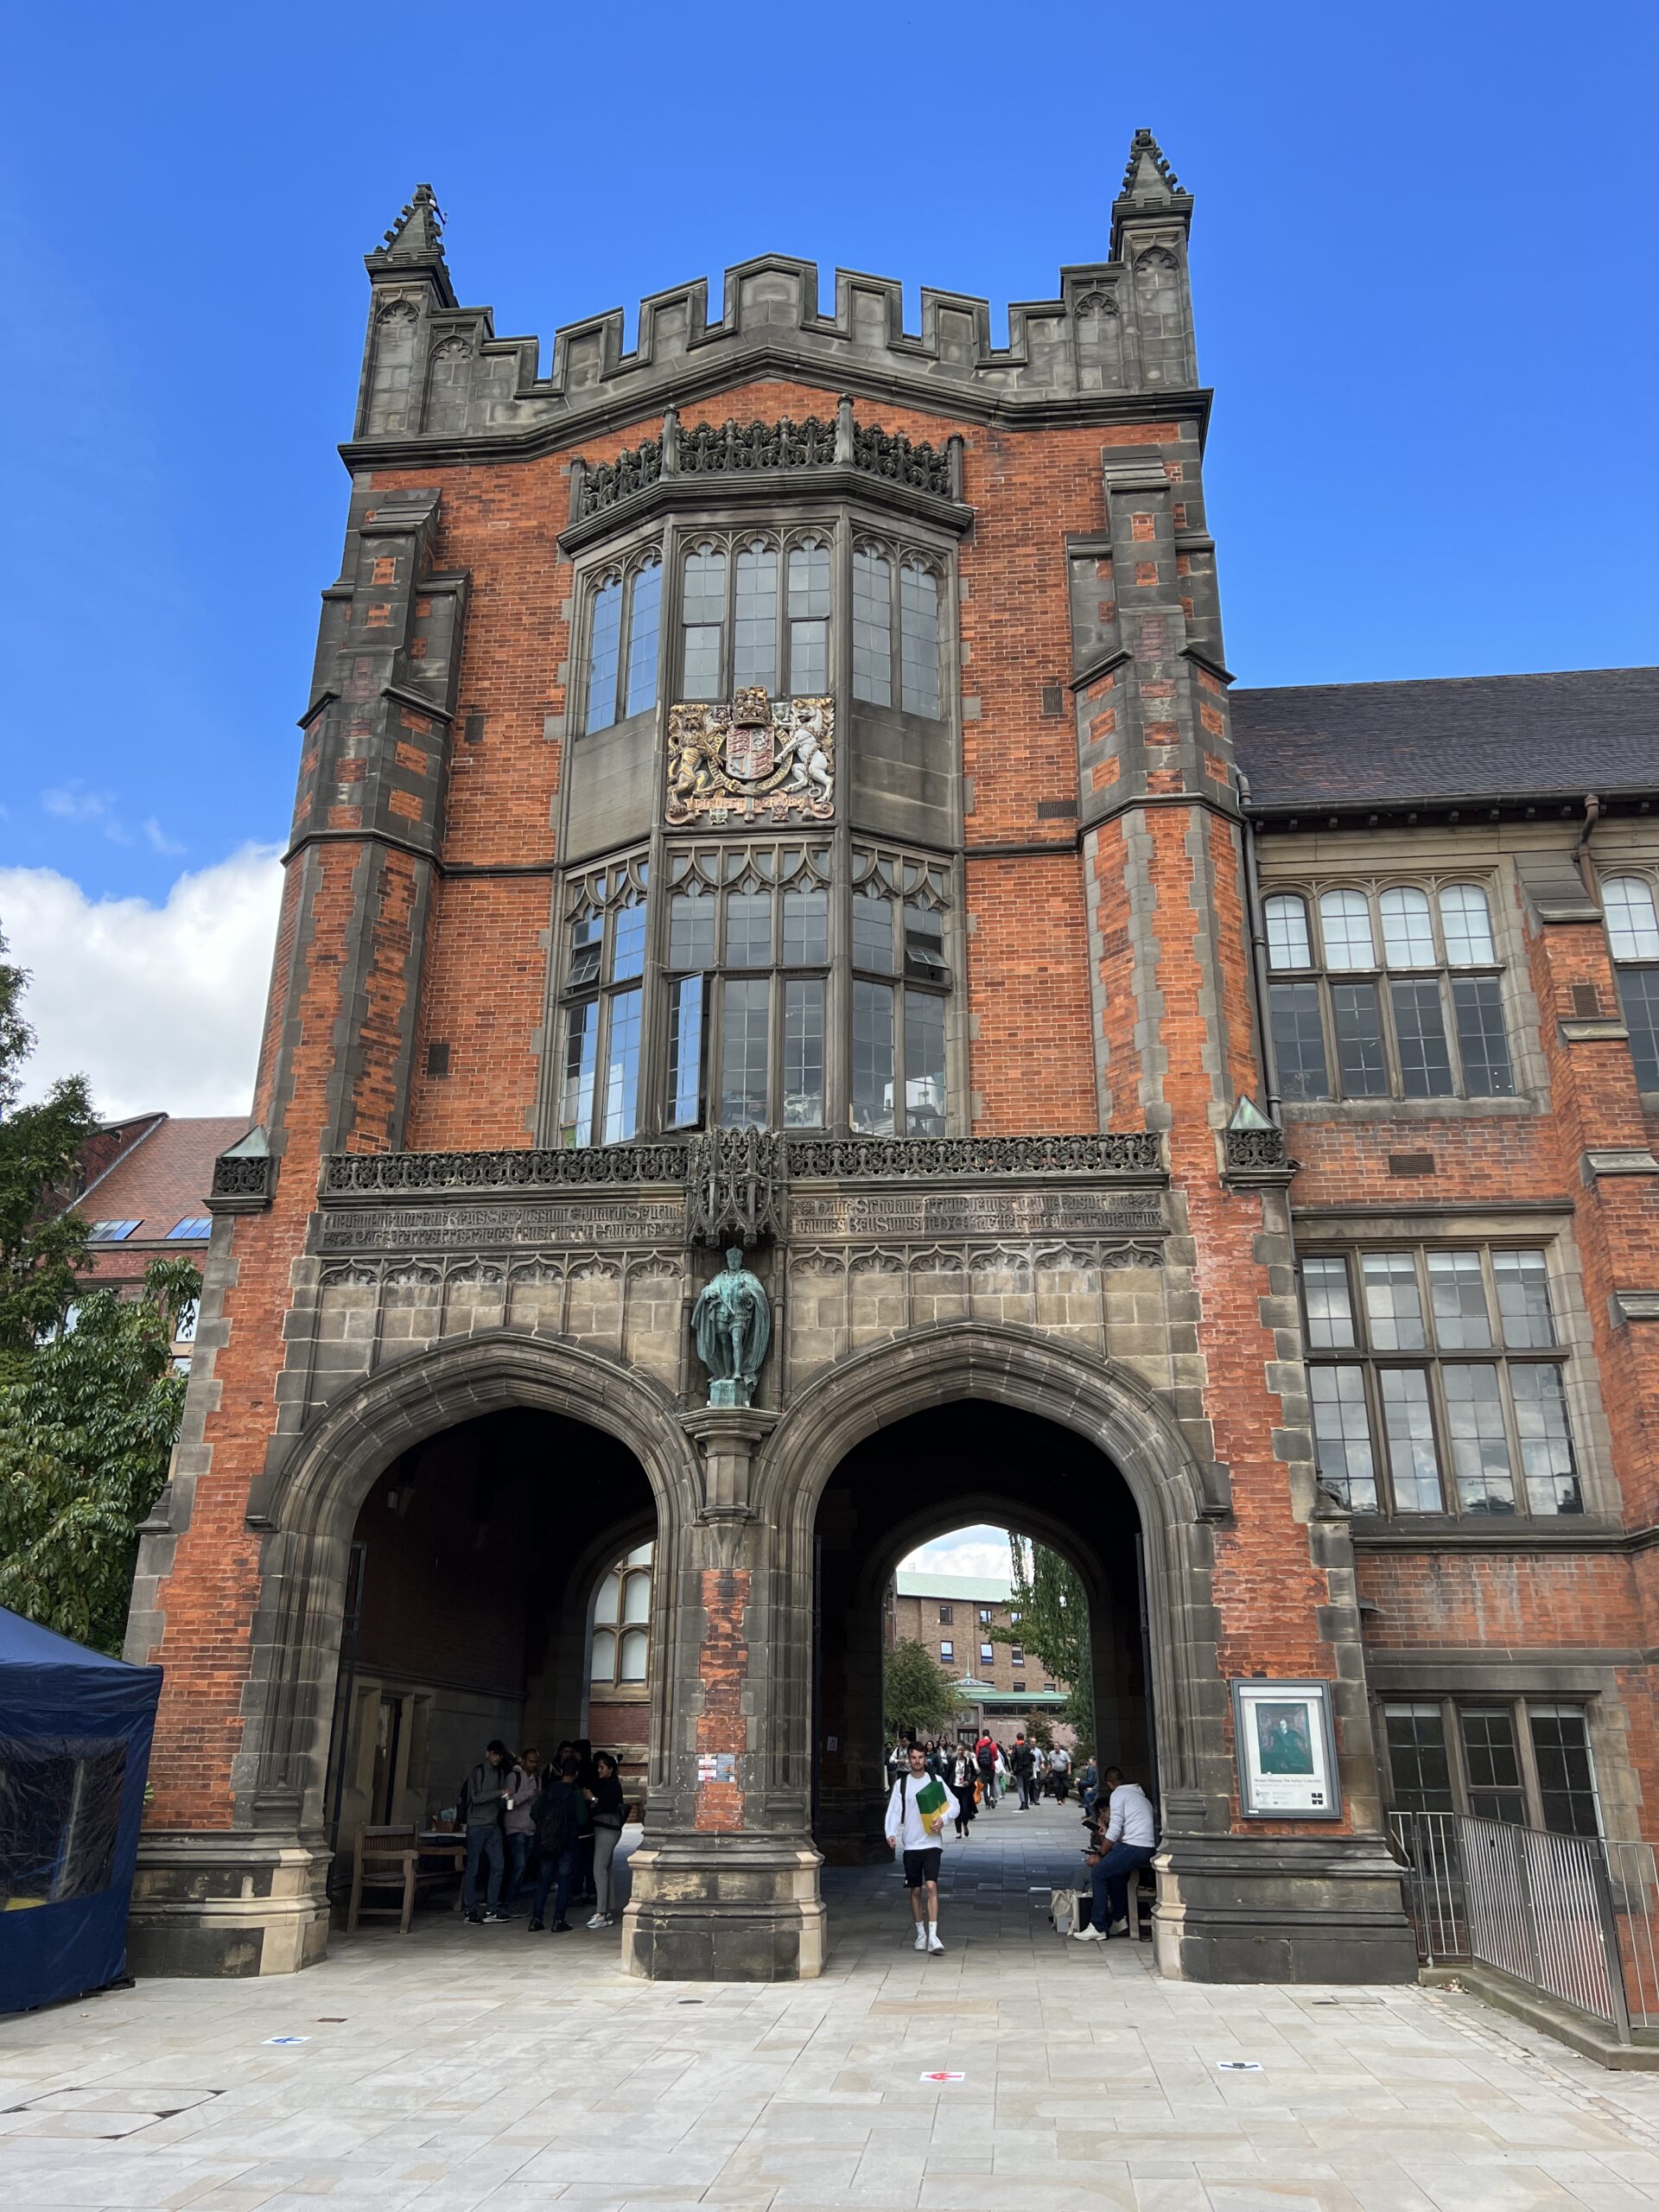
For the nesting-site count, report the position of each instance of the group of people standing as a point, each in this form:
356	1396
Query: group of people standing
552	1831
982	1772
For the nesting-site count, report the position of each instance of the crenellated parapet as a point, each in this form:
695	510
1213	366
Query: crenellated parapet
1119	332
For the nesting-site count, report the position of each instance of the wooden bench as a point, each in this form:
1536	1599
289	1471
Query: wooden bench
387	1860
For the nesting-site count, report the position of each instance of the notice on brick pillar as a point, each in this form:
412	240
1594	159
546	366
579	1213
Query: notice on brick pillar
722	1727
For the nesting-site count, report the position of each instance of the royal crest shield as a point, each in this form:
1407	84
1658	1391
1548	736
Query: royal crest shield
751	759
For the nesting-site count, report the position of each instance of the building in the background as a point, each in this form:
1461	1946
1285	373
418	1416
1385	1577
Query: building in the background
780	786
958	1619
143	1194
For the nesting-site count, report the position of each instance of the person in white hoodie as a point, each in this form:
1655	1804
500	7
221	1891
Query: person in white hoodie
924	1845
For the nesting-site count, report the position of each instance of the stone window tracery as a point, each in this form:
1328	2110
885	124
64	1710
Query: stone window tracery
603	1029
1382	991
624	627
1499	1759
1438	1381
755	609
897	603
621	1649
1633	940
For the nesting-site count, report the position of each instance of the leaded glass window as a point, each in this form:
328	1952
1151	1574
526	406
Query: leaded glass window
1633	940
1376	993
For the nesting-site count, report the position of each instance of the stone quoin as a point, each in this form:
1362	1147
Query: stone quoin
780	791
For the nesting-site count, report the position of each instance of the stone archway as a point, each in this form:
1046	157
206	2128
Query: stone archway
307	1503
1177	1496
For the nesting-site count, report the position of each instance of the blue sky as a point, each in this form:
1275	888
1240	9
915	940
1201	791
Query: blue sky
1421	264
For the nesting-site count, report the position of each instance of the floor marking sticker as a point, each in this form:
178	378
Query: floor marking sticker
288	2038
941	2077
1238	2066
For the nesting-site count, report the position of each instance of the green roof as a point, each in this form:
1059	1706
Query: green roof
972	1589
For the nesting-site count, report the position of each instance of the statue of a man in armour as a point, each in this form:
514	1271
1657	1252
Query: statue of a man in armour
732	1324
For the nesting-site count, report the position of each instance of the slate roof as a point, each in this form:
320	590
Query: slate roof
1465	737
160	1180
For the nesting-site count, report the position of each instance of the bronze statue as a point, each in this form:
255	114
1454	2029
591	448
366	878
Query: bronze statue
732	1324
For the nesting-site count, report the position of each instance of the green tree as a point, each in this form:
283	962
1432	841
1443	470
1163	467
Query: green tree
1053	1613
85	1435
916	1692
42	1247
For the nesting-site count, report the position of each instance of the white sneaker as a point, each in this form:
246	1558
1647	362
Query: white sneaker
934	1944
599	1921
921	1939
1089	1935
1118	1928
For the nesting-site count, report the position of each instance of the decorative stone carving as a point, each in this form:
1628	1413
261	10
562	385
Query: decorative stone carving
991	1213
732	1325
727	449
1257	1155
894	456
245	1178
735	1186
605	482
754	758
347	1173
1128	1152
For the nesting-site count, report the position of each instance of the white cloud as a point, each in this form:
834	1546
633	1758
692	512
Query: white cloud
73	802
159	840
159	1007
978	1551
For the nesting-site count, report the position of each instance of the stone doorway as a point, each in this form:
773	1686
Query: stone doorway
503	1584
970	1461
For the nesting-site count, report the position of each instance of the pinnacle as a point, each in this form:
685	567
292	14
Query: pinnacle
417	234
1149	176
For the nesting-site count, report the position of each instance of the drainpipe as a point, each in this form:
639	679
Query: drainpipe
1581	851
1258	956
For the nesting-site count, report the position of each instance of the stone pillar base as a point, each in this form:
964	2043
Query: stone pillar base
1243	1908
227	1903
724	1908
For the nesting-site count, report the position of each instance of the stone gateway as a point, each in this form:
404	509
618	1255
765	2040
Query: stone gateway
809	1009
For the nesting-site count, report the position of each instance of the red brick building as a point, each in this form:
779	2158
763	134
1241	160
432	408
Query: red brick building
143	1196
962	1620
782	789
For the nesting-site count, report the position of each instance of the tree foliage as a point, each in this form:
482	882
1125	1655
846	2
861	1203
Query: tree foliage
85	1435
1053	1612
41	1246
916	1691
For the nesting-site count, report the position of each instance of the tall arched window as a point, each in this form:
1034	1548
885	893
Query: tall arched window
395	333
447	385
897	608
621	1650
624	624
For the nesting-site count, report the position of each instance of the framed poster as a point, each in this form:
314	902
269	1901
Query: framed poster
1286	1747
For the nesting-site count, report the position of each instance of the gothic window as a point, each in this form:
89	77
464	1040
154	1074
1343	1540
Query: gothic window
1158	293
1633	940
603	1027
1389	992
748	984
447	380
624	623
900	976
1437	1382
394	332
753	612
898	602
621	1653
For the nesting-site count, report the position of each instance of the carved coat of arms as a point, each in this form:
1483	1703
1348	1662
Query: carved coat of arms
755	759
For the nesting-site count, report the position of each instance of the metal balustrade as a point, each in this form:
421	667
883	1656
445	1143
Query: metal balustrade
1570	1916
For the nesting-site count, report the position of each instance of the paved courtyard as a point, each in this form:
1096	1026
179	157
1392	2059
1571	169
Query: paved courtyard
463	2067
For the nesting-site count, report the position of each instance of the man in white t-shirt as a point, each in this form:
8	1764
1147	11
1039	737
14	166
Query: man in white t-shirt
924	1845
1125	1841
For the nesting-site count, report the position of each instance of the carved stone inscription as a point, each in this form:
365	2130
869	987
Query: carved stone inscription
438	1229
981	1213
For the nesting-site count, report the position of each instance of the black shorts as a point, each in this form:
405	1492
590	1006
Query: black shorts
922	1866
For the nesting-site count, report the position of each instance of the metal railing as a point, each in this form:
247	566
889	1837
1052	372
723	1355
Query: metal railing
1570	1916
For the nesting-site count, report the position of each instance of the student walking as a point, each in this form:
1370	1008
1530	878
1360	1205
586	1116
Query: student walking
1059	1771
1022	1764
1125	1841
523	1786
964	1782
917	1820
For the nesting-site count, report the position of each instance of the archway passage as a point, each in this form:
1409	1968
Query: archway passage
968	1461
501	1585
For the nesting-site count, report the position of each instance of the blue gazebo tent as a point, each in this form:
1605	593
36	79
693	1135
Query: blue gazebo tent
75	1731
